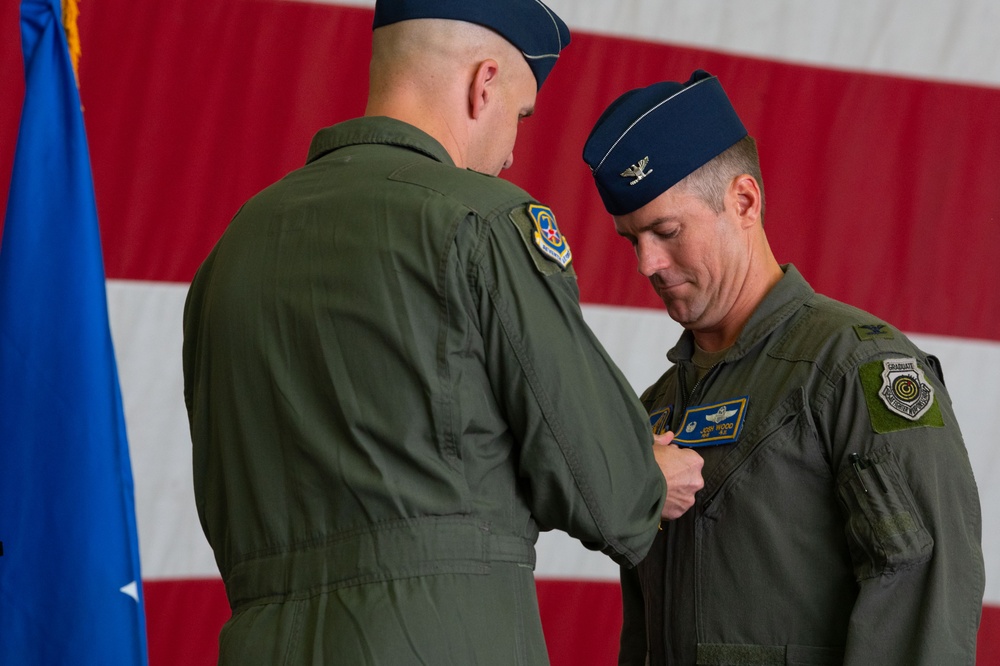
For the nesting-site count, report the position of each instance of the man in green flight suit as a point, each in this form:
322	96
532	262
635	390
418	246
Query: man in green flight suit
390	386
840	521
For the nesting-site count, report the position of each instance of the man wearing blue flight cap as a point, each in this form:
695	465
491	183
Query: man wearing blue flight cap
840	521
390	385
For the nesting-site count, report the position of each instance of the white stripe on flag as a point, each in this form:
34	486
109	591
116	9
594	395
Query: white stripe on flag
951	40
146	325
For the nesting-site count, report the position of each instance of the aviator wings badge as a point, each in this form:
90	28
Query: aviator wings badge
721	415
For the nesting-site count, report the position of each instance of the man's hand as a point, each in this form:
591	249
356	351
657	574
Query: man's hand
682	470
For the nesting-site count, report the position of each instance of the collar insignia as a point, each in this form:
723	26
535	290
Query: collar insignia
873	331
905	390
637	170
547	236
710	425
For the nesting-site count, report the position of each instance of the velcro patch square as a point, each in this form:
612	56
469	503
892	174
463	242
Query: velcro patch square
899	396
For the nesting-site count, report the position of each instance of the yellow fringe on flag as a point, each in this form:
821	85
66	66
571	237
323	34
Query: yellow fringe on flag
70	12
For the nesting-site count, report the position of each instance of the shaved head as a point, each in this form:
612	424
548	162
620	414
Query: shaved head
461	83
433	52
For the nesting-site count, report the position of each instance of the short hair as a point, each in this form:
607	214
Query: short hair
709	181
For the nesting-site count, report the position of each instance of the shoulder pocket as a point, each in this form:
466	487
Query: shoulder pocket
884	531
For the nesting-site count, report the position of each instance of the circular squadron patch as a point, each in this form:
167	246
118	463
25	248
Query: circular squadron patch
905	390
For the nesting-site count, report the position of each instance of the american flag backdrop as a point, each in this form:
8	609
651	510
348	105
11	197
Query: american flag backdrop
878	124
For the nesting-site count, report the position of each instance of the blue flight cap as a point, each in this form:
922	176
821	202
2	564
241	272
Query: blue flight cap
650	138
527	24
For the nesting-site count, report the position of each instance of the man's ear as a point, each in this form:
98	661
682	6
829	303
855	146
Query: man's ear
482	87
744	193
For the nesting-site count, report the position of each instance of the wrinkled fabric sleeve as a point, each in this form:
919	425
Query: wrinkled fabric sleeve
585	457
912	524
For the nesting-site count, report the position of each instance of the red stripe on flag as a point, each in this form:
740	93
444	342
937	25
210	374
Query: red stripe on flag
881	189
988	644
11	93
183	620
581	621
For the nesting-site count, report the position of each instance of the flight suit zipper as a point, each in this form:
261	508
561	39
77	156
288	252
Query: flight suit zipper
682	384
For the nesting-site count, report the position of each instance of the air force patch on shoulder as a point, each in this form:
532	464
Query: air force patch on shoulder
899	396
905	390
547	236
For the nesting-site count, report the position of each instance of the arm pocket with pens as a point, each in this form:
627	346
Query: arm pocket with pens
884	530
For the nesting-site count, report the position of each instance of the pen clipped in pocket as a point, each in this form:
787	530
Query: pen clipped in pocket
884	530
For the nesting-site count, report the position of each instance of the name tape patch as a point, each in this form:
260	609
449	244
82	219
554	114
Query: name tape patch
711	425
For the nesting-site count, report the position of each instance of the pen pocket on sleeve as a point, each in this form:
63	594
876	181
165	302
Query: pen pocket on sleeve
884	530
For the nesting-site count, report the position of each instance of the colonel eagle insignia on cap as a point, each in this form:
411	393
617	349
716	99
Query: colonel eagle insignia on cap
680	126
637	170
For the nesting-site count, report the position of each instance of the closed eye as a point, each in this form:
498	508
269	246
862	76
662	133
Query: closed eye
633	241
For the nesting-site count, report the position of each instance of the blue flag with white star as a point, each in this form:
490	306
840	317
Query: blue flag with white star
70	586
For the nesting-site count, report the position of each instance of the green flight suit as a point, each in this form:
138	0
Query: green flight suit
391	389
796	552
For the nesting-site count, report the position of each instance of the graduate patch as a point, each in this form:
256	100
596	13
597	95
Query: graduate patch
899	395
660	420
547	236
905	390
710	425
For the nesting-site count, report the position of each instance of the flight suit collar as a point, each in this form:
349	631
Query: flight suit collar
376	130
784	299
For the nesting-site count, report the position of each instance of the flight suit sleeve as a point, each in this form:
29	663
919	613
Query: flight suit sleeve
912	515
585	455
633	650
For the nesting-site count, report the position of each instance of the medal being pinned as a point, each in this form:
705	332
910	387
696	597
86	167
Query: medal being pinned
660	420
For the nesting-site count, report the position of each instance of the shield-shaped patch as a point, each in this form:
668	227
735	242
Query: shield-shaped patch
905	390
